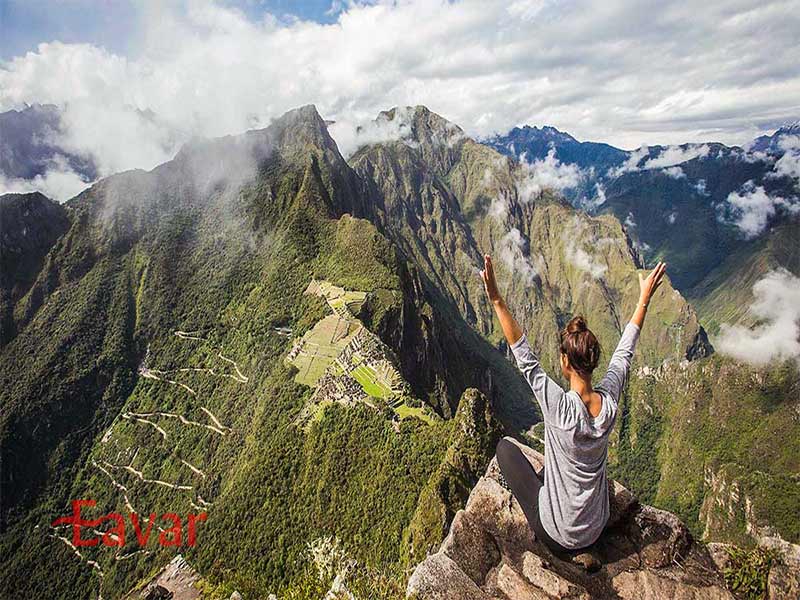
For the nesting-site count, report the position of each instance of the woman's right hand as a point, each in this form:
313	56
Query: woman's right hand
489	282
648	285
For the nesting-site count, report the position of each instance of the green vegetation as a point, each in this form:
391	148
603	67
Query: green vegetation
230	274
473	439
688	435
639	434
370	381
747	572
405	411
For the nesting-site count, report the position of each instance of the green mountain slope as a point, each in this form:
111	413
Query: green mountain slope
163	321
30	224
726	294
699	439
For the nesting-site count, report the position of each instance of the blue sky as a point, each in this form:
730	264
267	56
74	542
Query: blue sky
112	24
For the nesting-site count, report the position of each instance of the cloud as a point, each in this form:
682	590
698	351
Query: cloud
751	156
700	187
629	222
599	198
675	172
576	237
350	136
675	155
631	163
514	254
776	305
499	207
788	165
666	159
547	173
672	217
752	207
59	182
207	69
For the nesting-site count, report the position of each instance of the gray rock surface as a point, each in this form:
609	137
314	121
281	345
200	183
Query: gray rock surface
491	553
176	581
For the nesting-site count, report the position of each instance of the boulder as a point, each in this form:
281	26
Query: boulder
156	592
491	553
783	582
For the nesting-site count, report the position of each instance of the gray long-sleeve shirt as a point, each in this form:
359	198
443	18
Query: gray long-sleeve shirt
573	503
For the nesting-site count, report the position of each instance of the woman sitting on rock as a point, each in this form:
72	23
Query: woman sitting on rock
568	506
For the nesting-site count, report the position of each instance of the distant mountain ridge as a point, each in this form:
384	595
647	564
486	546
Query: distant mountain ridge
771	143
673	199
29	144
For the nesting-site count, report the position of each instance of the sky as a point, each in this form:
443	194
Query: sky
627	72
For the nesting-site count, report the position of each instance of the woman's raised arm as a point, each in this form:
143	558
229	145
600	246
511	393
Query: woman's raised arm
647	287
547	392
511	328
618	367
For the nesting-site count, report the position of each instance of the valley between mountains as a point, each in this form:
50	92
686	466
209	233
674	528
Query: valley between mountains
298	344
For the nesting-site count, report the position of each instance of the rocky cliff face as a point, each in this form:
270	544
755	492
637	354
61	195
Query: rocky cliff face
491	553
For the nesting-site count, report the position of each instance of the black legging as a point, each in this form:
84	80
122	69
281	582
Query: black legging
525	484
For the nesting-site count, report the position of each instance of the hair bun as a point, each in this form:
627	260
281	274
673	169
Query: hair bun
577	325
580	346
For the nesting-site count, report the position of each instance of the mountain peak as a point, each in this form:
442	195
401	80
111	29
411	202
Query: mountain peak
770	143
293	134
422	125
547	132
792	128
301	127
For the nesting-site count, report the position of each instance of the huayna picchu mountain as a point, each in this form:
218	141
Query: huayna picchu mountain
299	347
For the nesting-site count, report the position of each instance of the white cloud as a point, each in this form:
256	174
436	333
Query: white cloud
700	187
675	172
752	207
514	254
599	198
672	217
59	182
751	156
499	207
667	160
576	237
777	336
629	222
351	136
788	165
205	69
547	173
631	163
676	155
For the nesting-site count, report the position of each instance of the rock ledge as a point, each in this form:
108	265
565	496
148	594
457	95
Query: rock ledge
490	554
